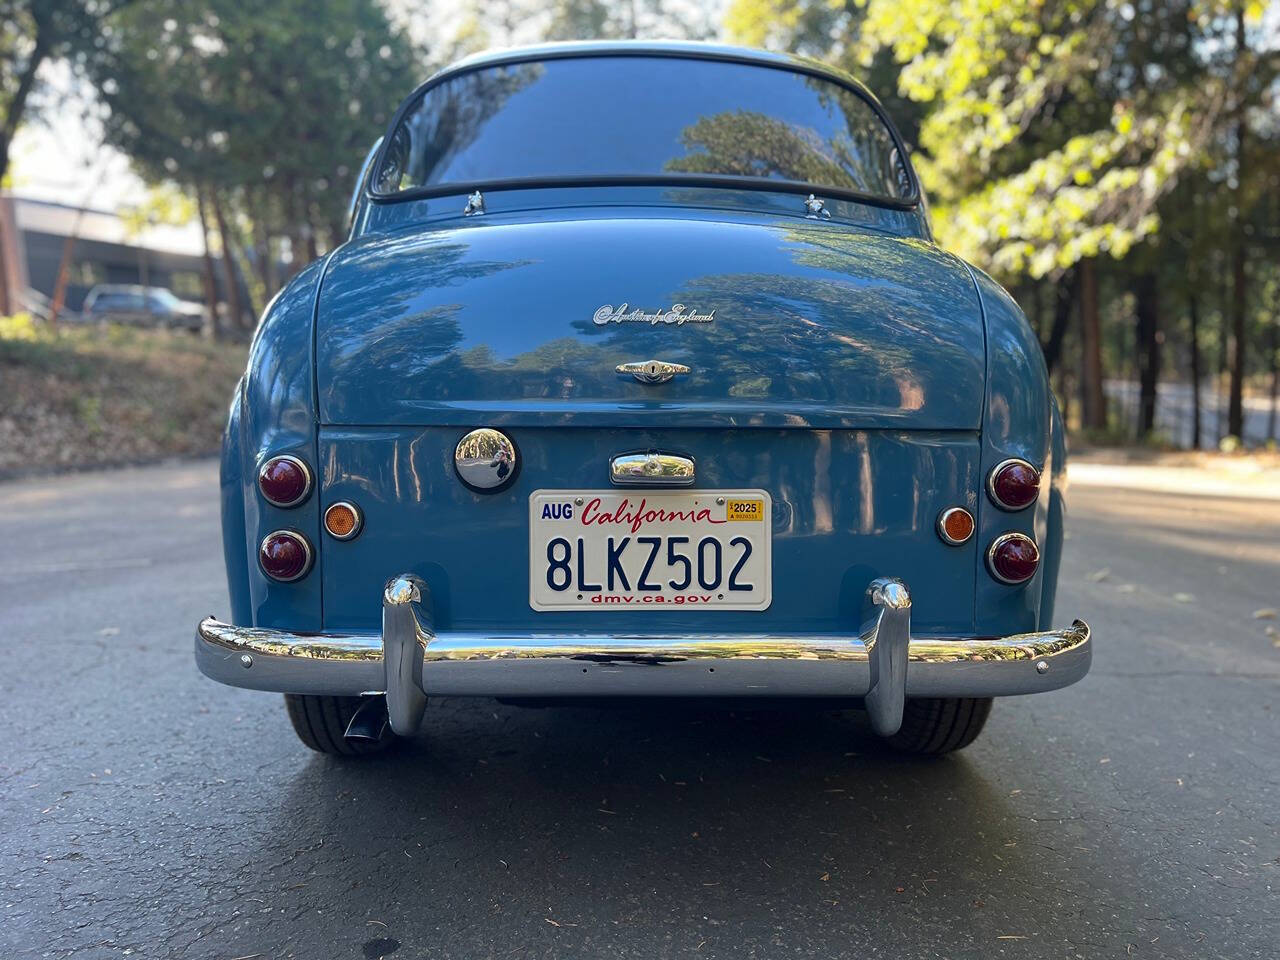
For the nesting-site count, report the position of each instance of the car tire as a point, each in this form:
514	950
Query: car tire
321	724
934	726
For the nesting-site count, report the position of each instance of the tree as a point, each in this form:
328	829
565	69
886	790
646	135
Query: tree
33	33
264	108
1052	134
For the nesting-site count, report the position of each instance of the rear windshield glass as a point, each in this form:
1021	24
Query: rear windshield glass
659	117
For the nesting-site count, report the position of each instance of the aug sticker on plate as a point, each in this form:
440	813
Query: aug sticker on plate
650	550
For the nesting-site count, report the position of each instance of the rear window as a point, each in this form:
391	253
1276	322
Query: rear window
650	118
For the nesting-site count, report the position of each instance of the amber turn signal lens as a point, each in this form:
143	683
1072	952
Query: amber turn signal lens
342	520
955	525
1013	484
285	481
284	555
1013	558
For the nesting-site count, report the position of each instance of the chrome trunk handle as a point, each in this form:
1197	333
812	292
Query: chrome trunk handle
651	469
652	371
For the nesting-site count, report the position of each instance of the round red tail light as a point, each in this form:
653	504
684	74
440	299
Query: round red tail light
285	555
1013	484
1013	558
285	481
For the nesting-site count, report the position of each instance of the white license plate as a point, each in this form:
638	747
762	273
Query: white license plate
650	550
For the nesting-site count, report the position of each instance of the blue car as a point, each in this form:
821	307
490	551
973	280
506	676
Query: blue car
642	375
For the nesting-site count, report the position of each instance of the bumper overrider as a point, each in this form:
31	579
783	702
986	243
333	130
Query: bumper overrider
884	664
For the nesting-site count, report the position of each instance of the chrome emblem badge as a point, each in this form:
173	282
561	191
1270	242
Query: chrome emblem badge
678	315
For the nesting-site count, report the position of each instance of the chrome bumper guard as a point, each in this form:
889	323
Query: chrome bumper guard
884	664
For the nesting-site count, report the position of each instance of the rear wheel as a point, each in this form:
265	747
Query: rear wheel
935	726
321	724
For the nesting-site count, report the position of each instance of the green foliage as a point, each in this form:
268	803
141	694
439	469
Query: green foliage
274	104
33	32
20	327
164	204
1049	131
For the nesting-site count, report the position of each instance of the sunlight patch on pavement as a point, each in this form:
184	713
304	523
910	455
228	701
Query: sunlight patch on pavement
1191	481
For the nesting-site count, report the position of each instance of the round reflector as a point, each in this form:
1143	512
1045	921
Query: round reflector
1013	484
955	525
284	555
1013	558
285	481
343	520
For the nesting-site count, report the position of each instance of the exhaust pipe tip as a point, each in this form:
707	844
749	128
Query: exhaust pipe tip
370	723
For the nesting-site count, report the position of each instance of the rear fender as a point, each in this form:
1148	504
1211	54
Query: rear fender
1016	422
275	414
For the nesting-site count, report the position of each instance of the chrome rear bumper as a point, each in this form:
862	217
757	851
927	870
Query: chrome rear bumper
884	664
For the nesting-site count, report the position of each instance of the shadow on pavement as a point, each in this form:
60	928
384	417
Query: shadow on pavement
623	815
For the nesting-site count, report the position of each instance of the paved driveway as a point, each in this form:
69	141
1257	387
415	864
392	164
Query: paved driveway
145	811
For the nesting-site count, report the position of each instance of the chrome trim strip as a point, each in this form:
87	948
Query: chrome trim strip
991	483
306	472
468	664
652	469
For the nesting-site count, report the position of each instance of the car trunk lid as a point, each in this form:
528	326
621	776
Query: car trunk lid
780	322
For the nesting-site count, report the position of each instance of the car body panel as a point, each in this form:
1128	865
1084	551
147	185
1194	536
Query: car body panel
813	324
860	375
276	415
1017	423
848	505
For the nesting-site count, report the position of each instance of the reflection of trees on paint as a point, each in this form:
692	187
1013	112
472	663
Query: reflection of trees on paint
842	318
413	328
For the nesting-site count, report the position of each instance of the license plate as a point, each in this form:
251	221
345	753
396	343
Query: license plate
650	550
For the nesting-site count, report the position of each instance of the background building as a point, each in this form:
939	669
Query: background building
104	250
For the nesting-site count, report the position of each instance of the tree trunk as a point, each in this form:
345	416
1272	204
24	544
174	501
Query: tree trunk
1275	379
1093	403
1235	405
1193	312
1235	401
12	117
1064	298
1146	293
250	301
228	262
1034	309
308	224
1224	337
263	261
64	269
210	284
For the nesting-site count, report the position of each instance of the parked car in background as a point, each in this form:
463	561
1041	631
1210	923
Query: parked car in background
642	375
139	306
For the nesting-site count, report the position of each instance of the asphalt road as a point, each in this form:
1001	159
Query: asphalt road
147	812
